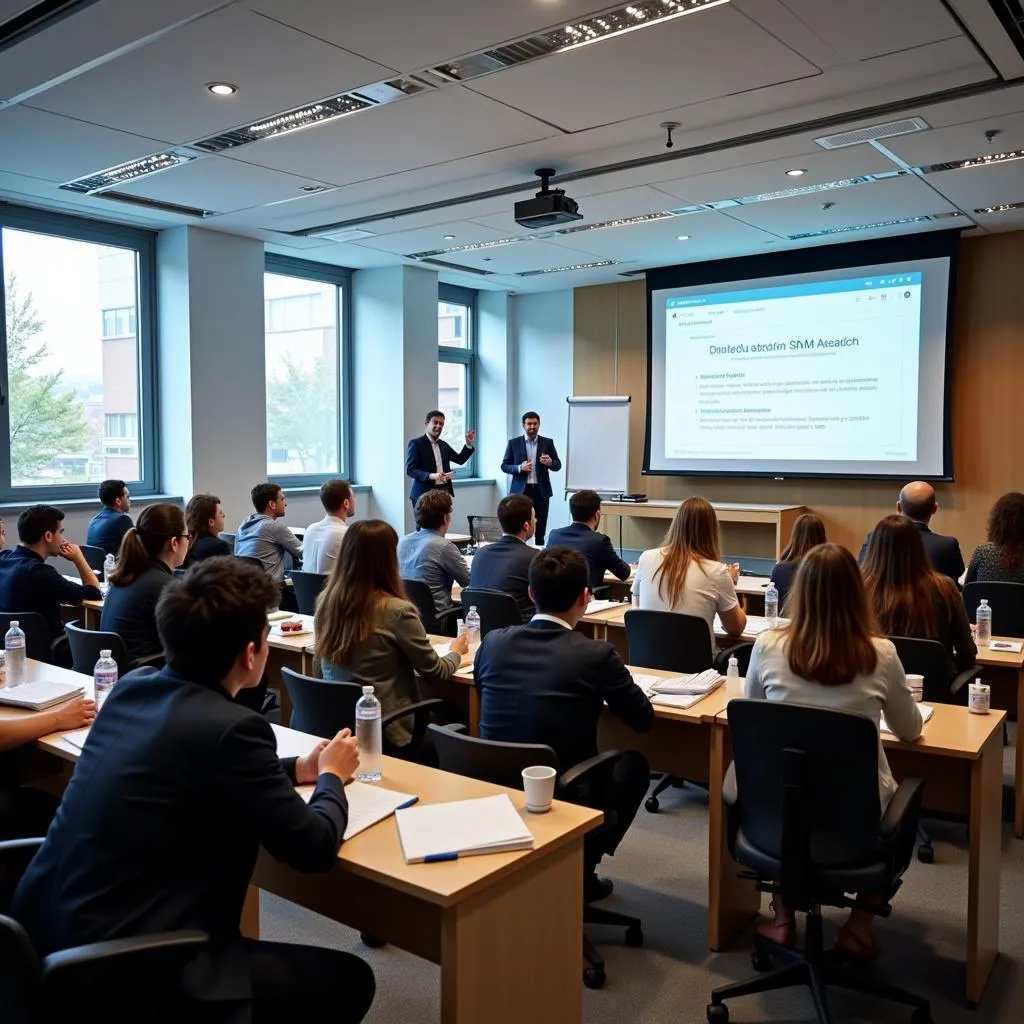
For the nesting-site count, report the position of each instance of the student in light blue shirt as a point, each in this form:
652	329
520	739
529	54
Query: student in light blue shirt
428	556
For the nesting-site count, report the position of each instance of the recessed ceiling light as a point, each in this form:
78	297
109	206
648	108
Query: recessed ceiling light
682	238
447	238
795	172
222	88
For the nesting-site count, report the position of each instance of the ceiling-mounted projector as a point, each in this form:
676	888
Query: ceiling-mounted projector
549	207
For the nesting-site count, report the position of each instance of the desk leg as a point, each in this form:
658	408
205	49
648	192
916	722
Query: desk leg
1018	771
250	923
983	866
732	901
474	711
516	955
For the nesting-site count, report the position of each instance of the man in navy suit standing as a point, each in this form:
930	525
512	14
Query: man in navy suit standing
530	460
428	459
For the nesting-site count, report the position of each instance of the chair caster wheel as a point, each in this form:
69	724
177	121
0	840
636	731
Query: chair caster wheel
593	977
371	940
926	854
651	804
634	937
921	1016
718	1013
760	961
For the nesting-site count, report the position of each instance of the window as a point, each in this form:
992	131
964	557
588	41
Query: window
456	366
76	356
306	330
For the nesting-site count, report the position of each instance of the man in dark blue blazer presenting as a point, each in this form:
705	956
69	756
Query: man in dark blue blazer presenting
583	536
428	459
530	460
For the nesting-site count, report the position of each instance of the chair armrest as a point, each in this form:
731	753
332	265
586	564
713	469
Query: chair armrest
421	712
152	661
580	771
721	659
730	792
903	807
967	676
178	946
419	708
12	845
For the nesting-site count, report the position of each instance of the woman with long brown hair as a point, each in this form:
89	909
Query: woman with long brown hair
367	631
909	598
831	655
686	574
204	516
1001	559
808	532
150	552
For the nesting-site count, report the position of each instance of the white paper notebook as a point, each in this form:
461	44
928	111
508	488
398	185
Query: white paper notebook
698	683
676	700
76	738
601	606
926	712
1007	646
39	696
368	803
437	832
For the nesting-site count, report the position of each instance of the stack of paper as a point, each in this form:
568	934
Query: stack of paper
368	803
676	700
645	681
601	606
699	683
926	712
39	696
1008	646
462	828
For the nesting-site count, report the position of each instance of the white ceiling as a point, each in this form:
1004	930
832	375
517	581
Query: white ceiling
753	83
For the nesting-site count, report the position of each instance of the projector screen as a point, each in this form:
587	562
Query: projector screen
840	370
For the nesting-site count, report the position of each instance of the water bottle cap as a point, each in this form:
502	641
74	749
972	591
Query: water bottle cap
984	601
734	660
104	654
14	623
367	689
472	609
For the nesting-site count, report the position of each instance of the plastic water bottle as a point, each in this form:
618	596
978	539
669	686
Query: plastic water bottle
109	564
983	620
733	671
14	654
368	736
104	675
473	626
771	605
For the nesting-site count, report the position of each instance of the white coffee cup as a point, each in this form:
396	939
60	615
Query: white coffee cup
916	684
539	786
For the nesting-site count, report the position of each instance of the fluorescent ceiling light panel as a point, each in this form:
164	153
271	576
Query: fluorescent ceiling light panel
621	222
1001	208
469	247
128	171
573	266
869	227
988	160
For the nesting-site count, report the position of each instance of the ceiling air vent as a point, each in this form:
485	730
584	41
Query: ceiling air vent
876	131
455	266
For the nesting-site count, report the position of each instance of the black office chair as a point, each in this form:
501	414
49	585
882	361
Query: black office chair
497	609
673	642
121	979
39	645
419	594
322	707
502	764
86	645
928	658
230	538
809	826
1006	601
484	529
94	556
307	586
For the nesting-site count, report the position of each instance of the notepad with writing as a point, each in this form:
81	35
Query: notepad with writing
1008	646
367	804
926	712
39	696
698	683
462	828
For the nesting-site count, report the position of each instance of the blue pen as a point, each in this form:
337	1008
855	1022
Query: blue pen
408	803
434	858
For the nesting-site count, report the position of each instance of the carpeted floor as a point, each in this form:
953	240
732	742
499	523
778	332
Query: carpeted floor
660	873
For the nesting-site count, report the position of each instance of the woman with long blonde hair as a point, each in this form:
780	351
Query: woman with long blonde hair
686	574
367	631
830	654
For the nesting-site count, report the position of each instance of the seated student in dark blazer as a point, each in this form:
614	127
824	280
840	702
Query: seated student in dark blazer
505	564
530	460
177	788
545	683
582	536
204	520
428	458
150	552
808	532
112	522
917	502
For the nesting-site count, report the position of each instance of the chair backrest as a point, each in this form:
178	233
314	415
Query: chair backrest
321	706
250	560
20	973
37	633
230	538
419	593
668	641
807	780
1006	601
307	589
488	760
497	609
86	645
484	529
926	658
93	556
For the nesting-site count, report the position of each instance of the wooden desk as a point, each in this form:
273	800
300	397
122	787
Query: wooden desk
777	518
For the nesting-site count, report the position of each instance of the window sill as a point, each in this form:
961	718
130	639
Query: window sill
78	504
314	489
473	481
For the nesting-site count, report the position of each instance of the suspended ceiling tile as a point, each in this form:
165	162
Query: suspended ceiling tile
160	89
515	259
962	141
403	243
975	187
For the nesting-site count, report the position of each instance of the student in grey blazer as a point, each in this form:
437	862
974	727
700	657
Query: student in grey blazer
367	630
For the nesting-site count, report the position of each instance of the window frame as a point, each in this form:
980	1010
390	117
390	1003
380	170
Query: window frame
98	232
467	357
324	273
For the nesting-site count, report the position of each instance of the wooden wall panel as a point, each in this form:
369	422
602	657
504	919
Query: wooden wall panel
610	357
